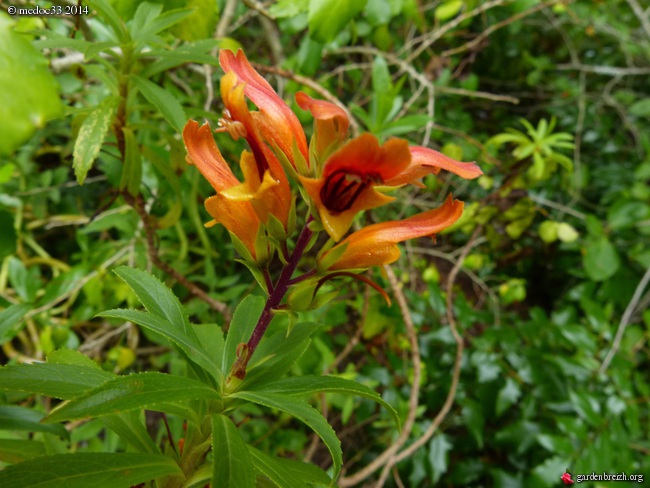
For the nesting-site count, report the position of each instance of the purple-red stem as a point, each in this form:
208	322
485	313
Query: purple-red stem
275	298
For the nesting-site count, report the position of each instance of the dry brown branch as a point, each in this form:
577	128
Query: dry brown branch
625	320
413	397
487	32
604	70
460	345
430	38
641	15
477	94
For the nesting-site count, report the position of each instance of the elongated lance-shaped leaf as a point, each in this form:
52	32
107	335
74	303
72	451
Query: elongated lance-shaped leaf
241	327
286	473
13	417
303	412
131	392
164	102
86	469
64	381
17	450
231	463
91	137
130	428
155	296
305	385
186	343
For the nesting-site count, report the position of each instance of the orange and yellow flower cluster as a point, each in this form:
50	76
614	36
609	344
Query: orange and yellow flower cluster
339	176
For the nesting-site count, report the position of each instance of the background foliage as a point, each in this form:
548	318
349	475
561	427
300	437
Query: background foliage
547	268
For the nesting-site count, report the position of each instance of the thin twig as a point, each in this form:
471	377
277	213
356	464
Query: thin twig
641	15
430	39
625	320
150	233
486	33
413	397
477	94
604	70
455	375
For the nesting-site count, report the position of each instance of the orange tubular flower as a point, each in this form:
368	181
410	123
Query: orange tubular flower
238	217
332	123
266	184
377	244
275	120
346	185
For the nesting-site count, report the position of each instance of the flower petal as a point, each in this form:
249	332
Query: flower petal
236	216
377	244
204	154
364	156
280	125
426	161
332	122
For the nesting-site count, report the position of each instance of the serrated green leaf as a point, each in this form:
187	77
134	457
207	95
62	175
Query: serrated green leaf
11	320
329	17
286	473
63	381
155	296
306	385
192	349
86	469
30	93
232	466
91	137
14	418
18	450
241	327
163	101
132	392
303	412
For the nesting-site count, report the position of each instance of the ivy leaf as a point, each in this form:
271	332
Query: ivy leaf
600	259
